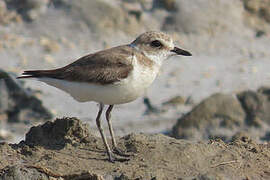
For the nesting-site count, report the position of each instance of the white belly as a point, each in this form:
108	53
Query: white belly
121	92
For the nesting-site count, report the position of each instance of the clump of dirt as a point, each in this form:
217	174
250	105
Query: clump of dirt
58	133
153	156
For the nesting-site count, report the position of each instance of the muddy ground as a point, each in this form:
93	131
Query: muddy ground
64	149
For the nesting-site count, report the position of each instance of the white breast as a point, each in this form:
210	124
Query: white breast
121	92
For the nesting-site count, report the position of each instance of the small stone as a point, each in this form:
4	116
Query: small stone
242	136
133	9
5	135
48	58
254	69
7	16
177	100
169	5
49	45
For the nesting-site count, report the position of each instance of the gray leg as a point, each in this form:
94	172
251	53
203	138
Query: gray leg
115	148
108	117
109	152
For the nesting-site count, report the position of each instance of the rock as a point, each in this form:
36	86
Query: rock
37	172
36	8
226	117
19	104
257	14
22	173
5	135
264	90
134	9
169	5
175	101
256	106
28	9
7	16
241	136
122	177
216	111
84	175
49	45
206	16
146	5
259	8
4	97
150	108
59	133
190	101
104	16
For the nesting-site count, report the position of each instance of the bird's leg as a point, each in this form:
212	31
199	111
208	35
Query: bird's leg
108	117
115	148
112	158
109	152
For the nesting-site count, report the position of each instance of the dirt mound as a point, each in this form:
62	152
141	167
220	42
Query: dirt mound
154	156
58	133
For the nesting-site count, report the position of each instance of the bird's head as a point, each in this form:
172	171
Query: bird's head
157	46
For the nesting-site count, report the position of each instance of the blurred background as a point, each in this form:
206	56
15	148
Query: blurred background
229	40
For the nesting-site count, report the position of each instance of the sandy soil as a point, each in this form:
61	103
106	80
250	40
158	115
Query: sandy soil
66	150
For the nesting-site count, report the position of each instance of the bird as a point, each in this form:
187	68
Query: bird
113	76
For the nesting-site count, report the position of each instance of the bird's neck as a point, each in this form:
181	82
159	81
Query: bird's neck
156	58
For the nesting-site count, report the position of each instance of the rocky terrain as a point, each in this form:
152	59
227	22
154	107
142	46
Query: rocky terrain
216	104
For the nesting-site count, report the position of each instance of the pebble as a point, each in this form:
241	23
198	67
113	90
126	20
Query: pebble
5	135
49	45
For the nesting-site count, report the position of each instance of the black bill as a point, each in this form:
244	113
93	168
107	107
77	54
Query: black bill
179	51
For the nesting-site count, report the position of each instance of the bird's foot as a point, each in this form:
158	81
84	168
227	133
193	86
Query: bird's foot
120	152
113	158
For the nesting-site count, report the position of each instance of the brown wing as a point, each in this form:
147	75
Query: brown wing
103	67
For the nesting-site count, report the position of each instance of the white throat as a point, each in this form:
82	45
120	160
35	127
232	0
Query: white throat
157	57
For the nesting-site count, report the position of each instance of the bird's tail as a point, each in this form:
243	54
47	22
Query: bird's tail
35	74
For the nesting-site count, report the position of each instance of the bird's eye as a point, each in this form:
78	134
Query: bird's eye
156	43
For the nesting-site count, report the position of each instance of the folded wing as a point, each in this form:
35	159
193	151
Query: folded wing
103	67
